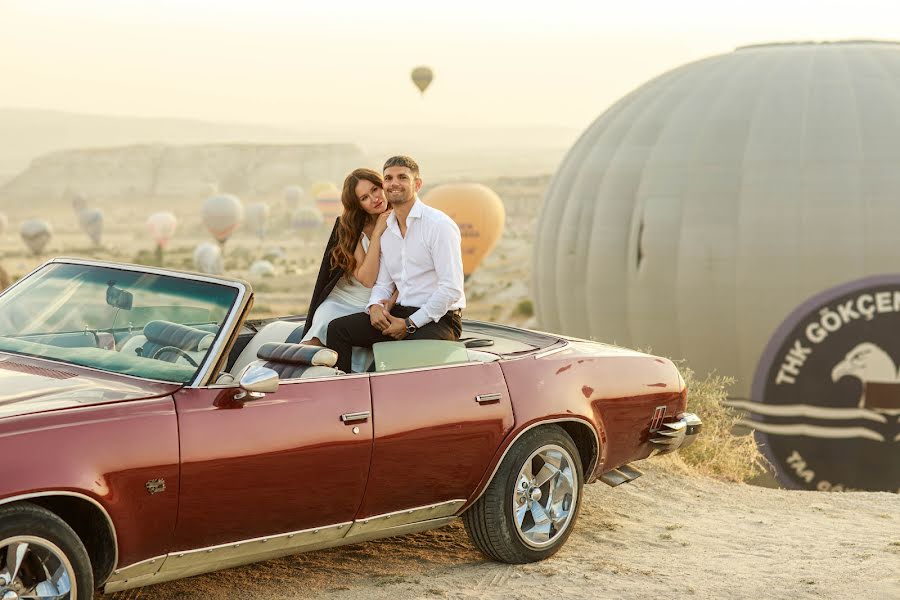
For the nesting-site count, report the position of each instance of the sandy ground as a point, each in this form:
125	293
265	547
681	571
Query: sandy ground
667	534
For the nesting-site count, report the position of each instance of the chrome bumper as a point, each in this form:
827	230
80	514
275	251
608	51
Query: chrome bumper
676	434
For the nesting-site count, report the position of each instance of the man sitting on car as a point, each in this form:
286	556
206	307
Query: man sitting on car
421	257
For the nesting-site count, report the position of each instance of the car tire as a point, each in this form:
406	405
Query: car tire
51	553
509	523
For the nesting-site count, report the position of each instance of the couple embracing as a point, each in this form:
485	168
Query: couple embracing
392	269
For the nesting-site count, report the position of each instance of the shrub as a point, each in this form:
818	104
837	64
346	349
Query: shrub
525	308
717	451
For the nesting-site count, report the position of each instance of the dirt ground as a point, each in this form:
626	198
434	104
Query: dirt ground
667	534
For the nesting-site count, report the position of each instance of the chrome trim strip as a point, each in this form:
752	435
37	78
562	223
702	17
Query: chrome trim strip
565	344
405	517
109	521
431	368
213	564
138	569
588	469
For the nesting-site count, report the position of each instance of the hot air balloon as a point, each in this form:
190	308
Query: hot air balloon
329	204
261	269
292	196
306	217
208	259
91	222
79	202
221	215
701	212
320	187
257	218
36	233
421	77
478	212
162	227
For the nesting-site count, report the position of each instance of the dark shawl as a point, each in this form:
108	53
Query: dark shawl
326	280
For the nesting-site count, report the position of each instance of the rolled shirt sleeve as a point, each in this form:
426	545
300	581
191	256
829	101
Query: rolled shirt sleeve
446	250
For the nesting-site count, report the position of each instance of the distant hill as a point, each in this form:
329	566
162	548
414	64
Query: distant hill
26	134
147	171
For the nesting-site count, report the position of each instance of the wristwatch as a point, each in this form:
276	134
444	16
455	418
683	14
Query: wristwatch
410	326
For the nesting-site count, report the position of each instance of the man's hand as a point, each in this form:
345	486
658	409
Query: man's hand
397	328
379	318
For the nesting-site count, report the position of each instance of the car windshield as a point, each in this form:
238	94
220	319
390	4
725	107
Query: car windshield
143	324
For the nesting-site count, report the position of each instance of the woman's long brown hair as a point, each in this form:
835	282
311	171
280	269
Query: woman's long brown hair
352	220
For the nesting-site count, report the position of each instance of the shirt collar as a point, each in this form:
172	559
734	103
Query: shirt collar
416	212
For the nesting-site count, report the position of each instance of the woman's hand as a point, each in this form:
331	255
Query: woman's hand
381	223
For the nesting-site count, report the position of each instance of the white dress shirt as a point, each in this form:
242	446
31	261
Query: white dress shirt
425	266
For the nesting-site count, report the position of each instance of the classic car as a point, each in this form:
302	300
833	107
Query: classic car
150	431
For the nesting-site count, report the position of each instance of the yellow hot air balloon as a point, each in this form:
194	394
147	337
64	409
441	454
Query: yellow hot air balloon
422	76
323	186
478	212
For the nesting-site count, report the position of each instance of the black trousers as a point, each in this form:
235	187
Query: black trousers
357	330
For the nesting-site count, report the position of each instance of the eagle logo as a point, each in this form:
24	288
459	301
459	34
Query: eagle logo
878	374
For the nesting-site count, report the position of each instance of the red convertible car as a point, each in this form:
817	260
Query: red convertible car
149	431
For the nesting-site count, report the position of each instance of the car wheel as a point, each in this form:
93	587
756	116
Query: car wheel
529	508
41	557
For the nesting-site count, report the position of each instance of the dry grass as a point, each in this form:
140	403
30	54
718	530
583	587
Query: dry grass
717	451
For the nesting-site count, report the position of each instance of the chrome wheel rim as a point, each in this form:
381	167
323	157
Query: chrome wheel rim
544	499
32	568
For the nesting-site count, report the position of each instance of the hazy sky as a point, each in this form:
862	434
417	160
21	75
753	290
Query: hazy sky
289	62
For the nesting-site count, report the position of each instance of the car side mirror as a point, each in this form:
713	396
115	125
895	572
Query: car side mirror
255	382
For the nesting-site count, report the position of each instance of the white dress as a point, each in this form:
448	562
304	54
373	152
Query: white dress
346	298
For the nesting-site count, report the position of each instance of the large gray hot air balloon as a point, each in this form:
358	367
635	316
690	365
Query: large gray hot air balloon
221	215
701	210
91	222
36	233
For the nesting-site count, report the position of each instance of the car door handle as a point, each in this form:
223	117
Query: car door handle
353	417
487	398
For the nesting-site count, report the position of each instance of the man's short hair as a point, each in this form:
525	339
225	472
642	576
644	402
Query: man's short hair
402	161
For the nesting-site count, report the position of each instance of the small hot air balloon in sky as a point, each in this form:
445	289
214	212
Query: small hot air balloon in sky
478	212
292	196
306	217
257	218
36	233
421	77
91	222
221	215
329	204
208	259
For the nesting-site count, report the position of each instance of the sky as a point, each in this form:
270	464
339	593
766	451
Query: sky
557	63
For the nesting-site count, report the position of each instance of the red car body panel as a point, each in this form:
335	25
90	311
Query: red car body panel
594	385
281	463
429	429
107	453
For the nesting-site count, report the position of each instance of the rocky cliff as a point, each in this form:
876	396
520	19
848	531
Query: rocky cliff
164	171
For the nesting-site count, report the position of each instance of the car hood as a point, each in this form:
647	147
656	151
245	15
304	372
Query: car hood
30	386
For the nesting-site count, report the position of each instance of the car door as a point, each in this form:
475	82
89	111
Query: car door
285	462
436	431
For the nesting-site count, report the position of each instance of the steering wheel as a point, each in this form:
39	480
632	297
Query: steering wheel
178	351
